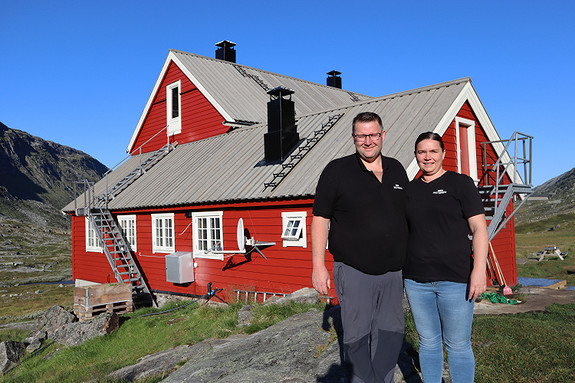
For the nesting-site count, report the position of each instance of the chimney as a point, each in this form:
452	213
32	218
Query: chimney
226	51
282	135
334	79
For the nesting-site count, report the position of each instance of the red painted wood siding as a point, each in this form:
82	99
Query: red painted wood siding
286	269
199	118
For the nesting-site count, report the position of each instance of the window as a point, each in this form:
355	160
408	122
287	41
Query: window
92	239
128	225
163	233
466	152
294	228
174	108
208	235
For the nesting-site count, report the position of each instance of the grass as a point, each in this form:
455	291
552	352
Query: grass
535	236
26	302
525	348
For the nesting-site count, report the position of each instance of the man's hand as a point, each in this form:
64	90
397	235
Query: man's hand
321	280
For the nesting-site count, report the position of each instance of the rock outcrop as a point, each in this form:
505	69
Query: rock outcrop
10	354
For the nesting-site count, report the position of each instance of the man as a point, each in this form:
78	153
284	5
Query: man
360	205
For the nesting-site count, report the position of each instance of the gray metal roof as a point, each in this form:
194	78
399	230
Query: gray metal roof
226	168
242	91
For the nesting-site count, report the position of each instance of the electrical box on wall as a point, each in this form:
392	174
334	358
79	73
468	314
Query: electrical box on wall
180	267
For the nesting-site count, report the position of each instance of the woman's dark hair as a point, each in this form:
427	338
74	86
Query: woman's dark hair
430	136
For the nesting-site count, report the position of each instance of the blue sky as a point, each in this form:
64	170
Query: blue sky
79	73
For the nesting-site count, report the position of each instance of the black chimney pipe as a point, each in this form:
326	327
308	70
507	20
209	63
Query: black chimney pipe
334	80
282	135
226	51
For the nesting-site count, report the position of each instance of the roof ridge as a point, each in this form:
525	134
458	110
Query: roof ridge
268	72
389	96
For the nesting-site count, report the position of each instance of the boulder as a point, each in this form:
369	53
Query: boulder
10	354
52	320
305	295
73	334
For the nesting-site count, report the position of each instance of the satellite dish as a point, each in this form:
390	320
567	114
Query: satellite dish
240	235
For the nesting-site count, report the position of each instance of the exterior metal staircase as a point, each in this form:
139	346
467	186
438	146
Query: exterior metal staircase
502	181
505	180
111	237
119	253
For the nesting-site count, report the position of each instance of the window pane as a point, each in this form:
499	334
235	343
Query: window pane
295	227
175	102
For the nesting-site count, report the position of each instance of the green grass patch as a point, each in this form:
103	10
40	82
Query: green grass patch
535	236
25	302
531	347
141	334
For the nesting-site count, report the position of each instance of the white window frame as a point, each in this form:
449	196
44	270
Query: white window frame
92	241
128	225
174	124
166	242
205	221
297	237
469	126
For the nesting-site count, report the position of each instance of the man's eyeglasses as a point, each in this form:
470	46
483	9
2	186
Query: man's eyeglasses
363	137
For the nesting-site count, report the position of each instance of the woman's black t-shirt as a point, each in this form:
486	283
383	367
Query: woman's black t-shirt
439	244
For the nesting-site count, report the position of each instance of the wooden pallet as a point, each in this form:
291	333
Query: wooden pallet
90	301
89	312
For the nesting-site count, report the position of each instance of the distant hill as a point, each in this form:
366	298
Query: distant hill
37	177
561	193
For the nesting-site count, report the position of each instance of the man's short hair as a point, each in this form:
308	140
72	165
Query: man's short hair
366	117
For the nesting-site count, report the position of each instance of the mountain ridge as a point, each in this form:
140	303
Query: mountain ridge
560	194
37	177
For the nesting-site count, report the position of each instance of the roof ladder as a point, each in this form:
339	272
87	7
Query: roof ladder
258	80
135	174
302	150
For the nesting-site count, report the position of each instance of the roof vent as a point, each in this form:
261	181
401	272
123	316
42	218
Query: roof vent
334	79
226	51
282	135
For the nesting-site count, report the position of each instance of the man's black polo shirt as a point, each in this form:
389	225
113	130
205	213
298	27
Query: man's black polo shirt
368	228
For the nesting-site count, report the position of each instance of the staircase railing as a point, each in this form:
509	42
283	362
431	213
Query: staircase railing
502	179
110	235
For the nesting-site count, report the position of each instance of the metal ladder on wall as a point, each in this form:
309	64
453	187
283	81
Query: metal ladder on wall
111	237
501	183
302	150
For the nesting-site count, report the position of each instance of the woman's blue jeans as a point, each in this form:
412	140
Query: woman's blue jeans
442	312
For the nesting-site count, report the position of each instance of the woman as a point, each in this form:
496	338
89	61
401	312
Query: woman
442	277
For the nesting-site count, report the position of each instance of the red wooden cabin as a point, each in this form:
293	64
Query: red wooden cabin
219	142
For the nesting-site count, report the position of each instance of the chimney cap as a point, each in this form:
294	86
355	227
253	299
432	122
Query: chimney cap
280	91
225	43
333	73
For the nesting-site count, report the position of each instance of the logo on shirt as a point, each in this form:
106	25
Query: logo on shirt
397	187
440	191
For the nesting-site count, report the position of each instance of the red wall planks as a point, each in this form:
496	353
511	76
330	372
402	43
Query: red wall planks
198	116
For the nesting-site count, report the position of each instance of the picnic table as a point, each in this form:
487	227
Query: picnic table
551	251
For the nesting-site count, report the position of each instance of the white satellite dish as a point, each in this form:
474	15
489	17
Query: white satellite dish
240	235
242	241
